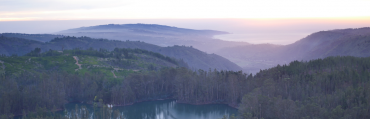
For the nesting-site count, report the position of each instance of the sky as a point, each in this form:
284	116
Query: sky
255	21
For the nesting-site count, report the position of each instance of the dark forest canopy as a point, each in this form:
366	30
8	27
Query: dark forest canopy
334	87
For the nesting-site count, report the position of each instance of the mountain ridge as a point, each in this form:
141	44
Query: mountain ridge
337	42
195	58
160	35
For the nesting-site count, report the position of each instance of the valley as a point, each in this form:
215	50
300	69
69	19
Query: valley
325	75
177	59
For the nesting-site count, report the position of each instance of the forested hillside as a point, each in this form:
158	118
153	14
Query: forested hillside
196	59
339	42
17	46
119	61
50	79
334	87
36	37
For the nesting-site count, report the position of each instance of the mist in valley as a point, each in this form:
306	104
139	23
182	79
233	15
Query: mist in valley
253	44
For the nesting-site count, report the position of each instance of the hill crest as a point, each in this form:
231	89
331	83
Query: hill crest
143	28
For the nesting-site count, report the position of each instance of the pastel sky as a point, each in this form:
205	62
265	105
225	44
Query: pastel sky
11	10
254	21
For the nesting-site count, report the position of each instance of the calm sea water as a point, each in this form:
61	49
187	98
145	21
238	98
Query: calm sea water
166	109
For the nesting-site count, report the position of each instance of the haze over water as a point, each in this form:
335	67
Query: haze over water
256	31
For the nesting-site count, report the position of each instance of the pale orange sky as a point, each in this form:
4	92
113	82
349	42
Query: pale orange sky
11	10
254	21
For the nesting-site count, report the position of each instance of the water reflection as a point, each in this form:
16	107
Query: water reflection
167	109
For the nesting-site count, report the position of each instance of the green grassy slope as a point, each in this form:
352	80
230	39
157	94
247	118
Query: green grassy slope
113	64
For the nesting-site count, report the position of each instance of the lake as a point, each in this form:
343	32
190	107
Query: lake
165	109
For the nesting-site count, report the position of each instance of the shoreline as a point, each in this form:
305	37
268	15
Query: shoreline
180	102
208	103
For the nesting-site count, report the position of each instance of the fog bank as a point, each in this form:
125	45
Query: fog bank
275	31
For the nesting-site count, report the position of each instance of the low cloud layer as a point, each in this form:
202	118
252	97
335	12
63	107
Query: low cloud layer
275	31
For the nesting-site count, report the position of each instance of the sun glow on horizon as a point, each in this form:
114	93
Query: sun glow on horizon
17	10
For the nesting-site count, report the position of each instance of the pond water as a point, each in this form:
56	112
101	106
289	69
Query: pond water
166	109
